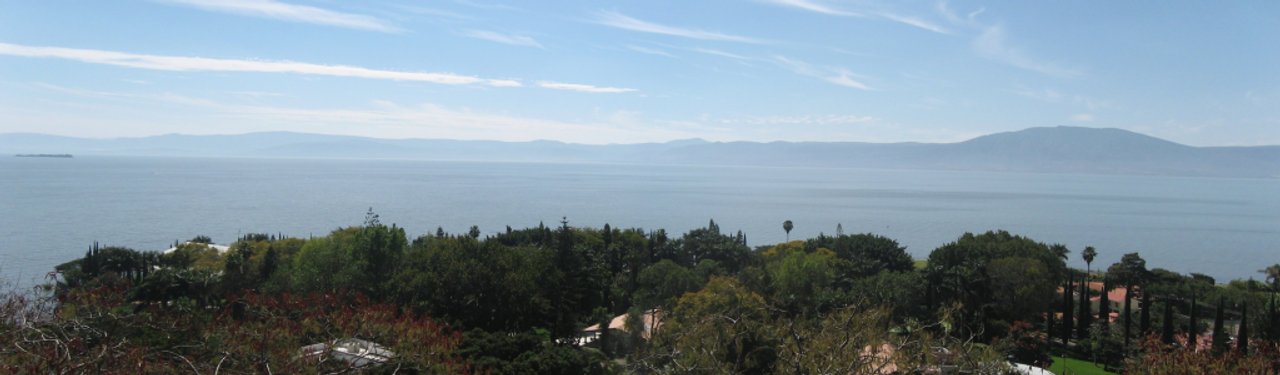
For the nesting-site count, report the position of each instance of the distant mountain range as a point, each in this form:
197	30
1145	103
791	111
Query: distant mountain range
1049	150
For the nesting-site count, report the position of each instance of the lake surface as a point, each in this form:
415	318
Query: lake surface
52	210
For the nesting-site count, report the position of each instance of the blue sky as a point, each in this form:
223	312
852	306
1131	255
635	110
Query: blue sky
1200	73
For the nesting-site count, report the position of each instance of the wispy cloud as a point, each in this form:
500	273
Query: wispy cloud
815	7
382	118
622	21
512	39
650	51
183	63
836	76
914	22
716	52
970	20
818	7
1082	117
991	44
291	12
583	88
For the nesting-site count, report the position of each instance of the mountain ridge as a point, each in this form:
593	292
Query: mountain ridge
1040	149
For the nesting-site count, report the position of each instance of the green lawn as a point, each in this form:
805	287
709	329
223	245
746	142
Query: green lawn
1062	365
921	264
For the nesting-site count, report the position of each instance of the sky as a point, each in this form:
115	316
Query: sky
1198	73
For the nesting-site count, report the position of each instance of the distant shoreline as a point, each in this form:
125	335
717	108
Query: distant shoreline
42	156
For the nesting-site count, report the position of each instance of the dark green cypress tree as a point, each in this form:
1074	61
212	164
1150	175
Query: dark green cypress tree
1166	334
1144	323
1128	314
1219	332
1104	306
1086	311
1193	329
1273	318
1049	325
1242	337
1068	311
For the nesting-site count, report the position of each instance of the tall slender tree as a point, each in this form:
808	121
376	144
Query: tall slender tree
1242	337
1128	315
1104	305
786	226
1086	311
1219	332
1068	312
1193	329
1273	321
1144	323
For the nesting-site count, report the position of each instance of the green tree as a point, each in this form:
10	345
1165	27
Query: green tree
786	226
1088	254
662	283
1272	273
960	272
720	329
1242	336
1219	332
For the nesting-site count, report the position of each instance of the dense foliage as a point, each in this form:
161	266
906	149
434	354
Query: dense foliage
517	301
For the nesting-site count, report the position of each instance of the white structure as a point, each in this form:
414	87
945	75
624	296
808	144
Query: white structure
221	249
1029	369
355	352
652	321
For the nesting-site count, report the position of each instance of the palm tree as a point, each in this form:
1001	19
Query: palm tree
786	225
1088	254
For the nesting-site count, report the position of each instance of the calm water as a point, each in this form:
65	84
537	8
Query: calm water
53	209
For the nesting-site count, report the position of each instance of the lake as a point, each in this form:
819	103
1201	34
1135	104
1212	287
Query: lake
54	209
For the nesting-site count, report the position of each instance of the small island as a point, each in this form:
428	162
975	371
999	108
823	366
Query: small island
65	156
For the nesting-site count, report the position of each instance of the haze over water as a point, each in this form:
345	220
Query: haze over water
56	208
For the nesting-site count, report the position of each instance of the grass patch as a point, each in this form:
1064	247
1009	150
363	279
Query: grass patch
1061	365
921	264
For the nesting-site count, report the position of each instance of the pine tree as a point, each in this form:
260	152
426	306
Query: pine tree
1243	335
1219	333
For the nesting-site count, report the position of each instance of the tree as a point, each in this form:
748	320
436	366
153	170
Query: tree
1068	312
1086	311
786	226
1273	276
1219	332
1193	329
1242	337
1273	321
864	255
1104	305
961	272
722	328
1128	315
1144	323
1088	254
